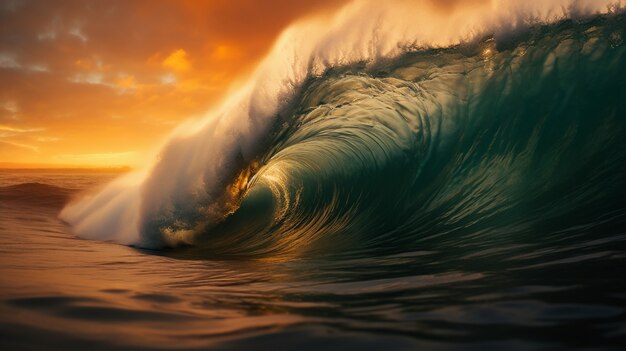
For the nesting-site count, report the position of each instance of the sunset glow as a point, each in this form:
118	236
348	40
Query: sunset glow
99	83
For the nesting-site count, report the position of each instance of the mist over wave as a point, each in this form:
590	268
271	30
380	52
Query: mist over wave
392	125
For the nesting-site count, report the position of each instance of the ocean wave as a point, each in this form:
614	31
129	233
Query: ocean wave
387	133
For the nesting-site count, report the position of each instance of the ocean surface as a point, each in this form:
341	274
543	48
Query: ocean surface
467	197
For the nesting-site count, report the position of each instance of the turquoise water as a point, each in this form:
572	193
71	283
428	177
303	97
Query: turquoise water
472	197
489	141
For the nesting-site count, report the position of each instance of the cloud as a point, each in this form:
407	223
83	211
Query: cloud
38	68
20	145
10	106
8	131
45	139
47	35
9	61
93	78
177	61
78	33
23	138
168	79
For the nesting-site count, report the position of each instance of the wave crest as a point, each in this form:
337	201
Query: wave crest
355	128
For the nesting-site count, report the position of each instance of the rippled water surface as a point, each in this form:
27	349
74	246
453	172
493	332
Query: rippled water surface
539	290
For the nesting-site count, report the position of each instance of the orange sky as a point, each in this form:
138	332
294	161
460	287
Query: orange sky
96	83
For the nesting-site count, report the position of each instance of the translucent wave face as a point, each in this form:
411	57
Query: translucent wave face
170	202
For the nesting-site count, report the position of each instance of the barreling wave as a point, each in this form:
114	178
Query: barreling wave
388	131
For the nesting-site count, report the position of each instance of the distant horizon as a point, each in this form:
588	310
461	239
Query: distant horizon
42	166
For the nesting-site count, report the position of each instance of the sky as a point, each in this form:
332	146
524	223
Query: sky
100	83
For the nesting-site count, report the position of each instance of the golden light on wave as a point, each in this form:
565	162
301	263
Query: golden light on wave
237	188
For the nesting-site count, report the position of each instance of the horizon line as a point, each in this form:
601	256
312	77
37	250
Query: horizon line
17	165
